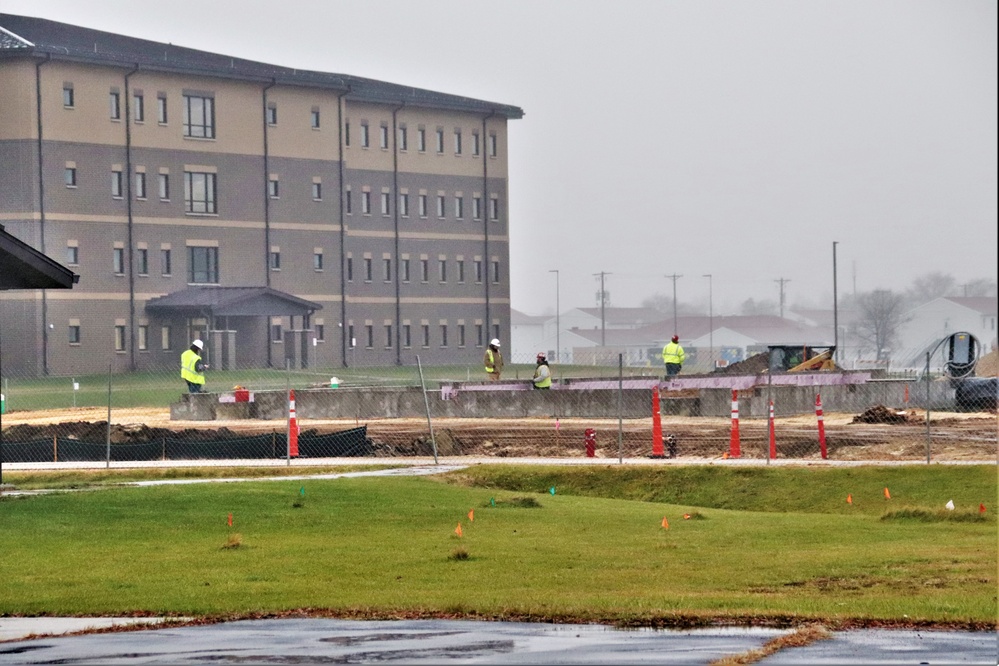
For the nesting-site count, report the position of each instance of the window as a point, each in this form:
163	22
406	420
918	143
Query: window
407	336
348	203
166	338
461	335
492	145
440	205
161	109
403	139
139	107
365	136
477	208
478	271
273	188
383	137
118	260
199	117
276	336
366	203
440	141
314	119
367	269
346	134
142	261
350	269
405	270
116	183
423	205
272	114
68	99
275	260
442	270
115	102
143	337
73	255
424	270
164	186
475	143
461	270
320	332
421	140
478	335
317	191
369	333
140	185
70	176
496	331
494	209
459	207
404	205
457	142
317	261
203	265
385	203
199	192
443	335
388	336
166	263
426	334
387	269
496	272
74	334
119	338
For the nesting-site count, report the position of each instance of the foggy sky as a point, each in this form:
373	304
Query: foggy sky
737	139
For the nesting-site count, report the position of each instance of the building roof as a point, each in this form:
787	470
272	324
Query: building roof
983	304
232	302
518	318
627	316
29	36
24	267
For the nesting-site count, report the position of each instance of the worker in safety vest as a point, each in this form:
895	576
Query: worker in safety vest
192	370
673	356
542	373
493	360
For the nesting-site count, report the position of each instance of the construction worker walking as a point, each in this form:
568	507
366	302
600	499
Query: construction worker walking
192	370
493	360
542	373
673	356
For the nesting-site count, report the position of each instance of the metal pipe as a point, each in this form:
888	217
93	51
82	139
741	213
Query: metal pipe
267	216
343	233
395	232
130	233
41	208
485	218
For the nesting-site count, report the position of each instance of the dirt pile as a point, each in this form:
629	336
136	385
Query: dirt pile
882	414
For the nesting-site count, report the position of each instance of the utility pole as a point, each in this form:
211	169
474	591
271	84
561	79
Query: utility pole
836	314
674	277
711	321
782	281
603	301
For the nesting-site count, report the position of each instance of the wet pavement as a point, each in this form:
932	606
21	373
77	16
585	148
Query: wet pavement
324	641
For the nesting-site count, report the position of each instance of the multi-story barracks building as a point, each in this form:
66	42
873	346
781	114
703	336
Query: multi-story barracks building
281	215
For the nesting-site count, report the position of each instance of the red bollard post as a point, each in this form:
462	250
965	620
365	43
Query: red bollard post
292	427
734	450
773	435
822	425
657	426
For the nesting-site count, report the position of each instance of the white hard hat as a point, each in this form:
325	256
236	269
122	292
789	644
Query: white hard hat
199	344
494	342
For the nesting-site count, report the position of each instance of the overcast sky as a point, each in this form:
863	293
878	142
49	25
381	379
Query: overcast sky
723	137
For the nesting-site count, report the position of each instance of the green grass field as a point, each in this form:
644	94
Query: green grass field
761	546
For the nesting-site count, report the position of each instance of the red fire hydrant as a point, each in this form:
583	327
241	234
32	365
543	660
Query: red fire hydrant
590	439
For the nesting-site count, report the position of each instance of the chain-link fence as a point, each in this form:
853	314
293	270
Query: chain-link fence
604	410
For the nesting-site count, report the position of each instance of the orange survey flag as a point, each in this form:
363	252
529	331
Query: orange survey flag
471	515
230	520
981	508
665	523
849	499
457	530
887	494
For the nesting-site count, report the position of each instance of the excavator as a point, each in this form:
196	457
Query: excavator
801	358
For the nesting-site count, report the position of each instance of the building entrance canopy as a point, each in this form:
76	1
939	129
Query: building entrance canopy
231	302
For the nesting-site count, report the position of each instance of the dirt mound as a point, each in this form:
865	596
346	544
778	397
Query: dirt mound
753	365
882	414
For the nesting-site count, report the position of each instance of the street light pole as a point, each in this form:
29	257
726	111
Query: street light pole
835	311
711	321
558	328
674	277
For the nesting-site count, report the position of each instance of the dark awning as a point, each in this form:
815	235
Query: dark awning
231	302
24	267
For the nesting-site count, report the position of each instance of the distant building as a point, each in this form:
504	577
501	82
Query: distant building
929	323
283	216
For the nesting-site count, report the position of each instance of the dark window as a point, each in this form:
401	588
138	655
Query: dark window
317	261
442	270
275	260
365	138
440	141
276	335
74	335
457	142
475	144
478	335
68	99
494	209
317	191
367	269
369	333
478	271
496	272
426	335
161	109
421	140
70	176
142	261
461	270
139	108
272	115
403	141
199	117
119	338
165	260
366	203
388	335
204	265
315	119
72	255
199	192
348	203
320	332
423	205
404	205
383	136
164	185
116	184
424	270
443	335
407	340
115	102
387	267
273	188
346	134
461	335
118	260
140	185
143	337
492	145
350	269
405	270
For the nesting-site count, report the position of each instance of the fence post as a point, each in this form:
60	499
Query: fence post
109	418
426	403
620	409
927	408
822	425
773	435
734	447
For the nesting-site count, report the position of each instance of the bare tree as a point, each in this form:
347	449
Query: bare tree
753	307
881	314
928	286
664	304
979	287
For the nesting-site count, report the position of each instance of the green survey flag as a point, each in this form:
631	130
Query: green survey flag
552	490
301	491
492	501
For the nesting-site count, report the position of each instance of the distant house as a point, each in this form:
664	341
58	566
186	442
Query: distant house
528	337
930	322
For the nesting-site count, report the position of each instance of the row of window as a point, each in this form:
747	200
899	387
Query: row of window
422	205
203	265
199	122
200	195
75	336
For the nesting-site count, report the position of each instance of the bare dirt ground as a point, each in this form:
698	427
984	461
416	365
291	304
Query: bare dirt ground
952	436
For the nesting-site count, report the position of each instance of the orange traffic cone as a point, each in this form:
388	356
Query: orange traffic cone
887	494
665	523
